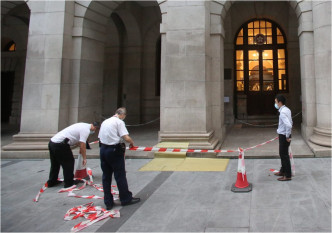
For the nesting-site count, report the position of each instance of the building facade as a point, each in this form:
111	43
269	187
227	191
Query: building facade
198	65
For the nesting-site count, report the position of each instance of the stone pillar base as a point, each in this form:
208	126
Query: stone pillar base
204	141
322	137
29	142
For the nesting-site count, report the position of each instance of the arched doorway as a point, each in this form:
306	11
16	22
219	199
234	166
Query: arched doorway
14	37
260	65
118	59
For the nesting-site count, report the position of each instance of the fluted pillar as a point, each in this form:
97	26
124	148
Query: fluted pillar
322	51
186	105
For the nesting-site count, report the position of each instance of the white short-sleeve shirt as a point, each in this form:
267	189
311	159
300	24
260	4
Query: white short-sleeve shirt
111	131
78	132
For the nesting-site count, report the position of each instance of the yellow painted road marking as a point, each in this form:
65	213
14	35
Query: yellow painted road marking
186	164
174	145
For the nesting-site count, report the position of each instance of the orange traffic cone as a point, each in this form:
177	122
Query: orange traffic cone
81	171
241	184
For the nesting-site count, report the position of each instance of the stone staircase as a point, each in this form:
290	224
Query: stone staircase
257	121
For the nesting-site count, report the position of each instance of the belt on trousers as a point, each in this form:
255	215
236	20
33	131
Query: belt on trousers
64	142
111	146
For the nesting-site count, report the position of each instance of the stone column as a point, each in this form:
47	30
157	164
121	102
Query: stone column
48	50
308	85
215	51
322	43
185	113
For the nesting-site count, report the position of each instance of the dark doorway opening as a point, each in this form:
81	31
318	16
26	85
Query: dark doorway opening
7	87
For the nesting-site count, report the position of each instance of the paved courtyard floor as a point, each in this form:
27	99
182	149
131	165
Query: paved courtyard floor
177	201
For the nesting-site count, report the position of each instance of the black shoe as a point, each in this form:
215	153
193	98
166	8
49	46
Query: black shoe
134	200
78	181
109	207
52	184
75	182
279	174
284	178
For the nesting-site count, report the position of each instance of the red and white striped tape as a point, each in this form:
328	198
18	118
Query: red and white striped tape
91	213
158	149
74	187
100	188
90	174
274	170
269	141
97	218
95	142
70	189
45	186
71	194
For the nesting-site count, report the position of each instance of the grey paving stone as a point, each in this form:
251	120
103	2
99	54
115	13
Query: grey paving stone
269	199
152	216
234	229
309	211
232	200
270	220
229	218
187	219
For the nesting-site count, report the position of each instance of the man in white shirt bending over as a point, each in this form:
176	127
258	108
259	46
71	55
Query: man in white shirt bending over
285	134
61	154
112	152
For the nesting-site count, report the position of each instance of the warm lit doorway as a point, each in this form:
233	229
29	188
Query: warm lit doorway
261	65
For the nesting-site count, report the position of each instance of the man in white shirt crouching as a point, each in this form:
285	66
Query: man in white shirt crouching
112	152
61	154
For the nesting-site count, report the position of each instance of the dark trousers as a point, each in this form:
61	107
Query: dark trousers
284	156
61	155
112	161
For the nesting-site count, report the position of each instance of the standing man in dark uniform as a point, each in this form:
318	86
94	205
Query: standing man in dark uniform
112	160
285	134
61	154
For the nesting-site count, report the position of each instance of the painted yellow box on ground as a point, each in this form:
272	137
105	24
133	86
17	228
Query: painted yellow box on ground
186	164
171	145
174	145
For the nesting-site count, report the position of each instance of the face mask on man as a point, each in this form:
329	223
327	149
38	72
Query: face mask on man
276	106
92	132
